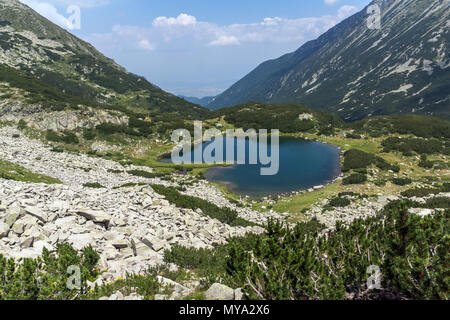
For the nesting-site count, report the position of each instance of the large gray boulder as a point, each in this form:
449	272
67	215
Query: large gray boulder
219	292
13	214
99	217
37	213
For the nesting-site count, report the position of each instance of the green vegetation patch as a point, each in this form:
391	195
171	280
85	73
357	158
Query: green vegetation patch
285	117
355	178
420	126
407	145
410	251
401	181
339	202
11	171
224	215
66	137
358	159
94	185
46	278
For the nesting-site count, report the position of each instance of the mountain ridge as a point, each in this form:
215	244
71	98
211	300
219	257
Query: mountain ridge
358	72
32	44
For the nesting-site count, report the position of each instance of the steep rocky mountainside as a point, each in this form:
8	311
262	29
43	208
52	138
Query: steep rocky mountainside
356	71
41	59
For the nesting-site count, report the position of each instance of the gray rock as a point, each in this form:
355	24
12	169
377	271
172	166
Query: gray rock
80	241
178	288
113	297
99	217
4	229
18	227
41	244
27	242
12	214
37	213
421	212
135	297
219	292
153	243
238	294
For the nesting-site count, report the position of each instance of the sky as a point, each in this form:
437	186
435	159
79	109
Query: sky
198	47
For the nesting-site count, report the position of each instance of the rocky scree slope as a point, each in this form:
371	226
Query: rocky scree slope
129	226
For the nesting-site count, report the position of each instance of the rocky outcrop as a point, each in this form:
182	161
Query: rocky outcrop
43	119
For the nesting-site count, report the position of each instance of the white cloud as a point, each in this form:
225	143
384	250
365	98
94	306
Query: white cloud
186	31
178	52
50	12
146	45
225	41
330	2
182	20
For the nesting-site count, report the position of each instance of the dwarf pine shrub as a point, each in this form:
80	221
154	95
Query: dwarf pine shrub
411	252
46	278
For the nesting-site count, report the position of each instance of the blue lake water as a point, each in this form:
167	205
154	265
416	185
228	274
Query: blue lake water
302	165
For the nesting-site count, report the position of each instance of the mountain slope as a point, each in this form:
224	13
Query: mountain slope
200	101
31	43
356	71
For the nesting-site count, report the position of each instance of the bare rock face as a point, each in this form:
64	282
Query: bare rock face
43	120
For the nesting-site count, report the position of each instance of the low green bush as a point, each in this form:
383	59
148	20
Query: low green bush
419	192
401	181
89	134
418	145
438	202
426	164
339	202
356	178
410	251
224	215
445	187
94	185
66	137
143	174
359	160
46	278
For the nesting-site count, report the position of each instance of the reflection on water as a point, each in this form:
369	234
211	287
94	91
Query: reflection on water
302	165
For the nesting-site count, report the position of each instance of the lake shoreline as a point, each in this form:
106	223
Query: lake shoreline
261	195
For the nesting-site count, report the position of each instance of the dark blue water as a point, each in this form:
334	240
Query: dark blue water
302	165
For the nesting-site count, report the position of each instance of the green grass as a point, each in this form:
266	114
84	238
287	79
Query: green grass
152	159
11	171
296	203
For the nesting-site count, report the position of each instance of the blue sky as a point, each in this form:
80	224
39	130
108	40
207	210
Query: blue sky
197	47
